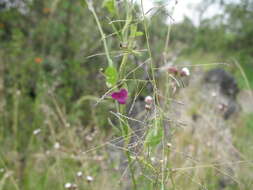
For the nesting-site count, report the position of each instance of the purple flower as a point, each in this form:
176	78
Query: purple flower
120	96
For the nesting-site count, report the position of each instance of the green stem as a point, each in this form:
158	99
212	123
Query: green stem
131	170
15	118
126	133
125	39
122	66
149	51
91	8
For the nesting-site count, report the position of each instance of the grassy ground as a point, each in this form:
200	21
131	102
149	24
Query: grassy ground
199	157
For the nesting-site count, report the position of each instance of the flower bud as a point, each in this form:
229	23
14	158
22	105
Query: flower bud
148	100
185	72
173	70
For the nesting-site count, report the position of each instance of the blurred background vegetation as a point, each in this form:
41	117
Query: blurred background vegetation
51	73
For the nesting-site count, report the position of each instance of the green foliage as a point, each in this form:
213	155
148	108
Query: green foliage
111	76
178	33
110	5
228	35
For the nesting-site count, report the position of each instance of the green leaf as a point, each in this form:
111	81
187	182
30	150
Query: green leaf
139	33
111	76
83	3
110	6
134	32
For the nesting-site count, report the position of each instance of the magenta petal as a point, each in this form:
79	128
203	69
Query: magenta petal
123	93
122	101
115	95
120	96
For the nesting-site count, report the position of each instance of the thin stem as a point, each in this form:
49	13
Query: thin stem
91	8
150	54
15	117
131	170
125	39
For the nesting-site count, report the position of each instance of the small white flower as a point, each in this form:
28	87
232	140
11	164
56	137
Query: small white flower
153	159
89	138
56	145
1	170
79	174
169	145
186	71
89	178
36	132
148	100
163	160
18	92
68	185
214	94
222	107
